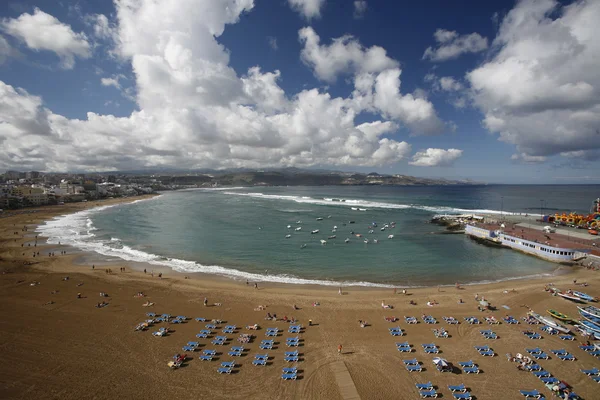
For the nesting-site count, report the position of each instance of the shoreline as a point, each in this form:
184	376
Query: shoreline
87	258
84	348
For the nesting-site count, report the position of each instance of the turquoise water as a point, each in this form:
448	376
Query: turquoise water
242	232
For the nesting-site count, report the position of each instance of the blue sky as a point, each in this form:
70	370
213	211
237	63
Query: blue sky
501	92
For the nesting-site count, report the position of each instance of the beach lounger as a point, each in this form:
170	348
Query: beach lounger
431	350
533	367
209	352
404	349
587	348
189	348
491	336
262	356
182	317
397	333
531	393
510	320
403	344
535	350
487	353
266	346
549	330
466	363
411	320
566	357
235	353
424	386
472	320
482	348
591	372
450	320
428	393
412	361
549	380
534	336
291	370
292	344
596	379
199	319
151	314
228	364
471	370
414	368
291	353
201	335
158	334
289	376
259	362
541	374
225	370
205	357
457	388
559	352
291	359
292	340
237	348
540	356
567	337
210	326
195	344
218	342
462	396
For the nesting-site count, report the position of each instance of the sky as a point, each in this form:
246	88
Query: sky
493	91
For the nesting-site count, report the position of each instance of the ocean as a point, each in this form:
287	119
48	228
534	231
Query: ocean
241	232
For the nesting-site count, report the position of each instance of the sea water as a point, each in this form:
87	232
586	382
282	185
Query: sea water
241	232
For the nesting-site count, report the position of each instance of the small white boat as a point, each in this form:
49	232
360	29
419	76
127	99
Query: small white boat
590	310
548	321
289	227
329	216
315	231
390	236
347	240
303	246
382	229
375	241
366	240
371	231
362	209
323	241
354	208
335	227
331	237
298	222
334	230
298	228
320	219
570	297
288	236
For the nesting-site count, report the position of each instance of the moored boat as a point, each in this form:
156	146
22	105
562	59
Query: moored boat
590	318
590	310
347	240
559	315
548	321
315	231
323	241
570	297
288	236
590	326
583	296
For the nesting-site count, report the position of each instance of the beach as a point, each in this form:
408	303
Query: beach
56	345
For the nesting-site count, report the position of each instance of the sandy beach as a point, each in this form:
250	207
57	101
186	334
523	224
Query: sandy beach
56	345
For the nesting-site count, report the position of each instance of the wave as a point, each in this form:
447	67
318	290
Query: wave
326	201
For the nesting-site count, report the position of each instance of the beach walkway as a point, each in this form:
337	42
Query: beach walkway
344	381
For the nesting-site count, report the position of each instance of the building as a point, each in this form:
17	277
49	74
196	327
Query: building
32	175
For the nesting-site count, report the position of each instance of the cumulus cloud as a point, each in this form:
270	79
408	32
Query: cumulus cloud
273	42
541	90
450	45
195	111
5	50
344	54
436	157
307	8
114	82
41	31
360	8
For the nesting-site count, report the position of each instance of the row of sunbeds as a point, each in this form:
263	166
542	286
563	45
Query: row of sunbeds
458	391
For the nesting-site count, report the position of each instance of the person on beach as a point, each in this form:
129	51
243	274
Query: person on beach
255	285
144	270
205	301
340	349
340	290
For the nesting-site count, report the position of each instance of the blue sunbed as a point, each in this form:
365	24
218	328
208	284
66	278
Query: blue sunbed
261	356
259	362
291	370
540	356
471	370
404	349
291	376
535	350
590	372
199	319
549	380
566	357
189	348
531	393
482	348
457	388
533	367
414	368
235	353
206	357
541	374
567	337
462	396
225	370
210	352
412	361
291	353
424	386
428	393
466	363
291	359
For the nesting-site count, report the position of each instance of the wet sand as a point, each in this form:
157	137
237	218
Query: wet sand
71	350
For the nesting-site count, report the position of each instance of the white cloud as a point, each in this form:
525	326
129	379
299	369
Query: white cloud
527	159
273	42
42	31
360	8
451	45
195	111
307	8
541	90
111	82
450	84
436	157
5	50
344	54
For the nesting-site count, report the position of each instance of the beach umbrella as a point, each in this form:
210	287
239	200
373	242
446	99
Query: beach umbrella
440	361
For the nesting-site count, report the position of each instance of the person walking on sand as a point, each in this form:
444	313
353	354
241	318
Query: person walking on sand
340	290
255	285
205	302
340	349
